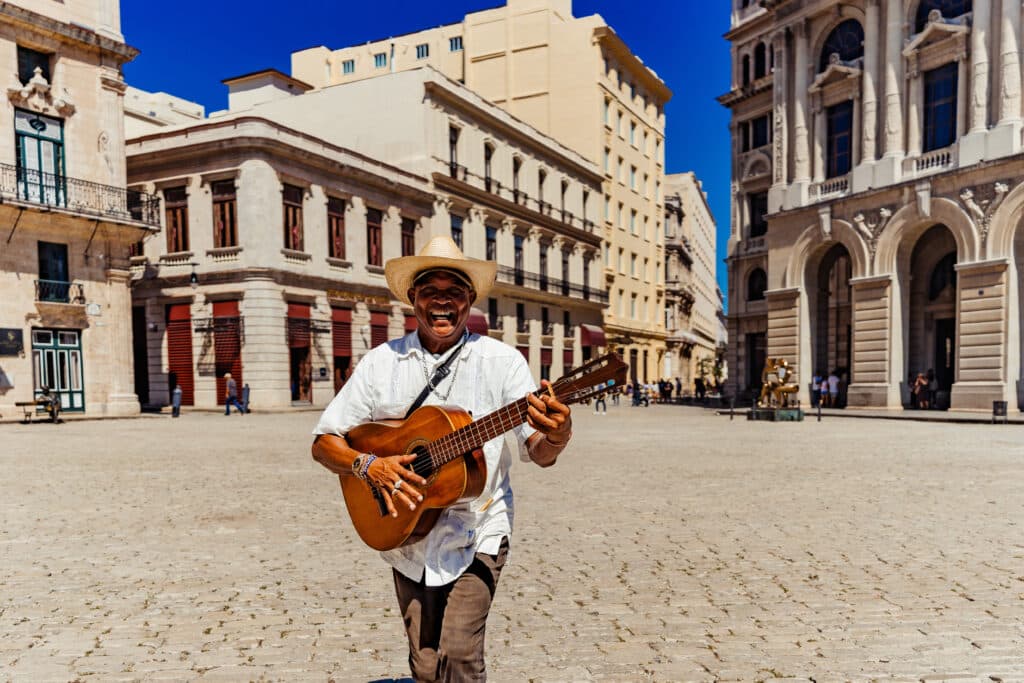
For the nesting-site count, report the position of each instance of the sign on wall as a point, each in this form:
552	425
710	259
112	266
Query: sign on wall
11	343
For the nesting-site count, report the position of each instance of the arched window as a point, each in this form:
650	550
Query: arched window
950	9
760	65
757	283
746	69
846	40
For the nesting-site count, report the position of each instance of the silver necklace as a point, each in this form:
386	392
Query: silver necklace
455	371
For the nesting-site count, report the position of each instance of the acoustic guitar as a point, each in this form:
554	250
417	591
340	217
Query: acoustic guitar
447	443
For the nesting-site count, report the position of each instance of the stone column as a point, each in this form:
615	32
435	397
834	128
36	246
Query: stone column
915	124
978	110
869	111
1009	63
122	399
780	171
820	138
1005	138
892	148
801	160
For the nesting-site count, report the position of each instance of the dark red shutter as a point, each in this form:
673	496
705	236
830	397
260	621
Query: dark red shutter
545	356
525	350
378	329
410	323
341	331
227	346
179	352
298	326
567	359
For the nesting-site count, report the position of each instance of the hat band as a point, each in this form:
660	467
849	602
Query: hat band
457	274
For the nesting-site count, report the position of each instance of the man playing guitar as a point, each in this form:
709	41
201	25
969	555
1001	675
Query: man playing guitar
445	581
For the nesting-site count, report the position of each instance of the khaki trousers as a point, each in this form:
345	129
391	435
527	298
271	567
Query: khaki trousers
446	624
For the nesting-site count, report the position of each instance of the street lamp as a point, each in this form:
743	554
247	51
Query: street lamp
193	279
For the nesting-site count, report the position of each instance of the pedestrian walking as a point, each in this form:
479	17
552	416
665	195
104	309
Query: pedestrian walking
816	389
176	401
833	389
231	395
600	404
245	398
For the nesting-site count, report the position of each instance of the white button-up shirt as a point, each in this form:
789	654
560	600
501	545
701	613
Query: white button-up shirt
486	376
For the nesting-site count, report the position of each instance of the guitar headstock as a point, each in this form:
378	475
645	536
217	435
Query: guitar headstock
590	379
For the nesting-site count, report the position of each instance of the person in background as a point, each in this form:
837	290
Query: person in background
231	395
816	389
833	389
176	401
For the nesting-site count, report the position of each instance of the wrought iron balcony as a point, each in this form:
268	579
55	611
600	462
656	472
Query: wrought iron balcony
60	292
522	326
81	196
544	283
547	329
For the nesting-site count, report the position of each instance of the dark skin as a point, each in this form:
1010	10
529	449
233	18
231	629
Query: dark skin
442	304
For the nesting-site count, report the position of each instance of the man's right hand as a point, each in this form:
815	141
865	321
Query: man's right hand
391	475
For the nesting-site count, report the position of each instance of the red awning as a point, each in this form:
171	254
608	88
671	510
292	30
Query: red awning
477	323
592	335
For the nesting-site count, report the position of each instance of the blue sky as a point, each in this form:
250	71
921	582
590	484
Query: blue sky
189	46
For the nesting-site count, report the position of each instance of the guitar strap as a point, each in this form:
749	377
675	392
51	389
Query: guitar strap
440	373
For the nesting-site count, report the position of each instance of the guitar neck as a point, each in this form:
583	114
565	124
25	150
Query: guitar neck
477	433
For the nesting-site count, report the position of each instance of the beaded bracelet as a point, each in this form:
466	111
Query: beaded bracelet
370	457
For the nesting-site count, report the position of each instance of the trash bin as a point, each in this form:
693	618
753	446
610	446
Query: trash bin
998	411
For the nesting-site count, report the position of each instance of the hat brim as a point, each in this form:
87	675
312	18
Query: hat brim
401	273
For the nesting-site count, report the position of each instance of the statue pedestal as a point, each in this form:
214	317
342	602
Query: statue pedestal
776	414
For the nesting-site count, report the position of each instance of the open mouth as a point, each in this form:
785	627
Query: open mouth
442	317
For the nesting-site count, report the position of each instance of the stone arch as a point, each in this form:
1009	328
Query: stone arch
1006	220
754	165
908	224
843	13
812	244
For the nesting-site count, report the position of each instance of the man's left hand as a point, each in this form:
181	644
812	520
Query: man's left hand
549	416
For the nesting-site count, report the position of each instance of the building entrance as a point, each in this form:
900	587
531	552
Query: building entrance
757	353
945	353
57	364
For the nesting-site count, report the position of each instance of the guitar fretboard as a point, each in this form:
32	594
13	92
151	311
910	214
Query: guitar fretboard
476	434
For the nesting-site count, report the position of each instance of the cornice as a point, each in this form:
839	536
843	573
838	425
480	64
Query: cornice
27	20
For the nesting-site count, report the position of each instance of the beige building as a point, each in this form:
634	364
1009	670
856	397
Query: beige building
693	306
65	317
287	205
574	79
877	197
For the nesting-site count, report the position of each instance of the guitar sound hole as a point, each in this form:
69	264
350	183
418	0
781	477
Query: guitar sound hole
422	465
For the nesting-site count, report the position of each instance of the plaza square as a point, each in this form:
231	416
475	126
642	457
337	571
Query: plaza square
668	544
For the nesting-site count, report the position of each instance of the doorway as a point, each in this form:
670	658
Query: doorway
757	354
57	365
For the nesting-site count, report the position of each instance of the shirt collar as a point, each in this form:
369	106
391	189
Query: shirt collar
411	346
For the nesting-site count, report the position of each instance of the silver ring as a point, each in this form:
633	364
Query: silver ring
398	485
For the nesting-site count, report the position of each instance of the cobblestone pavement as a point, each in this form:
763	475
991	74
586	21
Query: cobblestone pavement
668	544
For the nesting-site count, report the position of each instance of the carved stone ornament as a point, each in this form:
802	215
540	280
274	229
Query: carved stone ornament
508	225
870	226
478	215
37	95
442	201
981	203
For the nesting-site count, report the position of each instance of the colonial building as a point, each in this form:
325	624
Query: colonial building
877	196
65	314
281	212
574	79
692	299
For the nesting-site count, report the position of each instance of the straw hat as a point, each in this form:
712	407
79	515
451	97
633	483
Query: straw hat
441	253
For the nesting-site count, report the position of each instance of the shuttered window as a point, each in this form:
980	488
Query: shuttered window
378	329
227	346
179	352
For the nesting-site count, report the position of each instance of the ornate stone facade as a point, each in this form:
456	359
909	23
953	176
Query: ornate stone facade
884	260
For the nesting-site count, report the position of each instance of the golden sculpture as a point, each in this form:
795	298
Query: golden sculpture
775	389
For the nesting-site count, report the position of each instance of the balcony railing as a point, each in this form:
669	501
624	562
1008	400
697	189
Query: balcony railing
830	187
457	171
522	326
544	283
81	196
60	292
547	329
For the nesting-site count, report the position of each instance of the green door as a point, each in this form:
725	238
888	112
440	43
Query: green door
57	364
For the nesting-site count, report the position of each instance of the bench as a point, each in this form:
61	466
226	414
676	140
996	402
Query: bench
34	408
